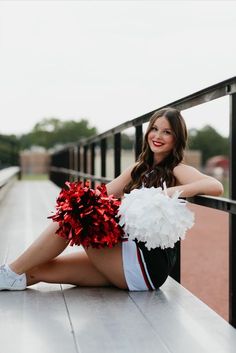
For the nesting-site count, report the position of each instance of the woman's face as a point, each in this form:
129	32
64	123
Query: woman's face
161	138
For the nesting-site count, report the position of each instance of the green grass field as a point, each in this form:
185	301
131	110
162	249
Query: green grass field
35	177
225	183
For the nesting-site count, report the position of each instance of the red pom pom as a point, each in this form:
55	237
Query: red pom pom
88	217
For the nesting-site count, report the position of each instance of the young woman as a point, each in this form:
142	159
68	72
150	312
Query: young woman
128	265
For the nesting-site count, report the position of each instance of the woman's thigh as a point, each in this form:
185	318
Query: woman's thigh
75	268
109	262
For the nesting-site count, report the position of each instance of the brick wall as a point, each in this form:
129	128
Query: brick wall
34	162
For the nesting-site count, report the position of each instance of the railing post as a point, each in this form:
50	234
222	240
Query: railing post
117	153
75	157
79	158
71	152
138	140
71	157
85	159
63	158
92	162
232	217
103	147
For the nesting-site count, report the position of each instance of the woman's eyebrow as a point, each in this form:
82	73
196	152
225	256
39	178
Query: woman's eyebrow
165	128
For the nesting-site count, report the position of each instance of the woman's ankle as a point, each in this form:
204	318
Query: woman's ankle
15	269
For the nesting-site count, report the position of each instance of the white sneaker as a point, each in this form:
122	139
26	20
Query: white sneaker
10	280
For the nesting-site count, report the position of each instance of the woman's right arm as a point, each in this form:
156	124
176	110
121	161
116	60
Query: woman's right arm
116	186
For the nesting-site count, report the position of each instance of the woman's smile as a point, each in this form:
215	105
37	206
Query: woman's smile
157	143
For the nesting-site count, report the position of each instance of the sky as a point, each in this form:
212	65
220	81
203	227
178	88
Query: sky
112	61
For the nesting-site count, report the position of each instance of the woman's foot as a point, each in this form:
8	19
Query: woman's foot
10	280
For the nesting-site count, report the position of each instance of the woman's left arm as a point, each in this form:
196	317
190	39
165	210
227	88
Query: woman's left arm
191	182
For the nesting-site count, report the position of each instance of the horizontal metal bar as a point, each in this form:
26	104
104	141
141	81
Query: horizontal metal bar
80	174
219	203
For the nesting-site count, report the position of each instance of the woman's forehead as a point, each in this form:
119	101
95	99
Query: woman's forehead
162	122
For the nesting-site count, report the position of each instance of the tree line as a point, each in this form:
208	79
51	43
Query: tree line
50	132
209	142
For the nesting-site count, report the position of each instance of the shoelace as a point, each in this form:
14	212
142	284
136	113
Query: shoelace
2	268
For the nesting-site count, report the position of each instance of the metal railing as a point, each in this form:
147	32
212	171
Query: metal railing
77	161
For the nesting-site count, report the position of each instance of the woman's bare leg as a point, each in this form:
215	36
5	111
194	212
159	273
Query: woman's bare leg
47	246
75	268
40	263
109	263
93	267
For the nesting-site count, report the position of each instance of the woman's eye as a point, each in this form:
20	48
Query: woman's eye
163	132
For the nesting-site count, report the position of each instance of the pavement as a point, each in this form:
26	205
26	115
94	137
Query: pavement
204	262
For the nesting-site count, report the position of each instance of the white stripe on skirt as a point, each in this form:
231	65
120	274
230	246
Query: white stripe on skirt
133	273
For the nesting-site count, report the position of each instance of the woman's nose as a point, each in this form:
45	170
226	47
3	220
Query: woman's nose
158	133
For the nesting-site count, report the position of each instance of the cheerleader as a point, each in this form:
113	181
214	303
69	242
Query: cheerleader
130	264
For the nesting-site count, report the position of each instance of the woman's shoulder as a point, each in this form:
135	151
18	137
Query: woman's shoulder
182	168
184	173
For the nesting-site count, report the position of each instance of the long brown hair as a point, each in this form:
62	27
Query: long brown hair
153	175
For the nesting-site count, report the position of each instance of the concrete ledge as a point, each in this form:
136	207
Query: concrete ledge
7	177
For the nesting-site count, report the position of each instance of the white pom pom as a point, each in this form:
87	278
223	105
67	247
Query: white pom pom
151	216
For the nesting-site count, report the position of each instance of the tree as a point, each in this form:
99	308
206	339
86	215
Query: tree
52	131
209	142
127	142
9	147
